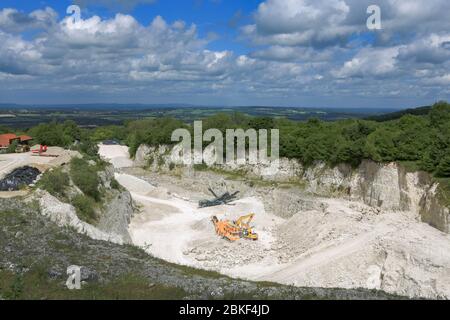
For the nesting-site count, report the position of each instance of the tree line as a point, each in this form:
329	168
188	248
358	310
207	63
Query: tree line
421	140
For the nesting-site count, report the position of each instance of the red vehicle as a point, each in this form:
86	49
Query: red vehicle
39	149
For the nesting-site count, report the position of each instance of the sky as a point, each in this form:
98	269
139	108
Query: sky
301	53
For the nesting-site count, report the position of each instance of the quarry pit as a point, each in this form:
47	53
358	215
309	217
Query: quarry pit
330	242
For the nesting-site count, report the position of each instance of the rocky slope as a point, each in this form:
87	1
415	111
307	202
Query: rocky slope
386	186
113	216
36	253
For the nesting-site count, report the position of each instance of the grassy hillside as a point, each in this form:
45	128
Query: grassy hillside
36	254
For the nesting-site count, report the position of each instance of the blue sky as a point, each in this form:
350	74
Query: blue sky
226	52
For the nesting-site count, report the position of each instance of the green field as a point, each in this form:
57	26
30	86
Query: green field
92	116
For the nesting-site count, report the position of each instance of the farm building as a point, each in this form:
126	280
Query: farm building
7	139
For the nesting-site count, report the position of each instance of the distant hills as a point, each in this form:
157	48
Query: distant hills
101	114
162	106
420	111
93	106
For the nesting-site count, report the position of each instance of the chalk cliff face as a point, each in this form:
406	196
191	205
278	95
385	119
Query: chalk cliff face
64	215
432	212
114	215
118	209
387	186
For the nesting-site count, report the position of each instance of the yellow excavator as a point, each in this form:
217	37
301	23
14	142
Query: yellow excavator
235	230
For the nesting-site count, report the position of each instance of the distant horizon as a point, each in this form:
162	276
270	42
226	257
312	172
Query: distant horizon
188	105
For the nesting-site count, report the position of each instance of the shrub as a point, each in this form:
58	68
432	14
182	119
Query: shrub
56	134
201	167
443	170
115	184
85	208
85	177
12	147
55	182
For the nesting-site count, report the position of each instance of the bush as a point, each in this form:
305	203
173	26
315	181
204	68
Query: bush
56	134
85	208
55	182
115	184
12	147
85	177
443	170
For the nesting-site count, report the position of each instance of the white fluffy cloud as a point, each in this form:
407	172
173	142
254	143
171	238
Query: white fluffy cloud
322	23
331	41
369	62
319	49
12	20
300	22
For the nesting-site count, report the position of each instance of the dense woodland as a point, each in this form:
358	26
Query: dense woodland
421	141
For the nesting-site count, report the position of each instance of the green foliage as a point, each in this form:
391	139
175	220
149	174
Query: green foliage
109	133
413	137
84	206
33	286
85	177
200	167
443	169
16	288
86	145
380	145
115	184
55	182
4	129
440	115
151	132
56	134
12	147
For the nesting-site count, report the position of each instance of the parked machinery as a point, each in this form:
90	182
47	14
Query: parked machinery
235	230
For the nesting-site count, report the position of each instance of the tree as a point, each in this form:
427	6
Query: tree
380	145
12	147
443	169
440	114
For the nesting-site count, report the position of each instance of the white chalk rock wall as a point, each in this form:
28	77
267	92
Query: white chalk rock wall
388	186
64	215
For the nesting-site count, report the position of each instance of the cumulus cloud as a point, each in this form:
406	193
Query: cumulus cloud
289	53
298	48
434	49
12	20
117	54
297	22
369	62
322	23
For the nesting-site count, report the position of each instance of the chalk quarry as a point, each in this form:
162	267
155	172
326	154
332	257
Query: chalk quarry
376	227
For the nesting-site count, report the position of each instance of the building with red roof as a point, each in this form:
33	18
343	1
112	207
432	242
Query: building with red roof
8	138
